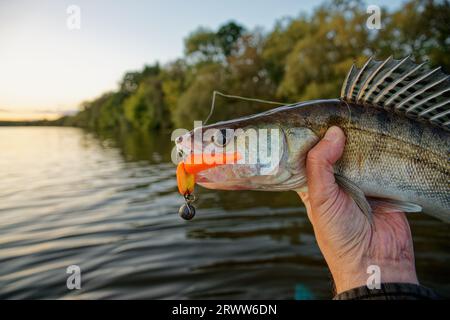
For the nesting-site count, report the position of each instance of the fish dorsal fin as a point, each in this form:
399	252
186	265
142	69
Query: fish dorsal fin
401	86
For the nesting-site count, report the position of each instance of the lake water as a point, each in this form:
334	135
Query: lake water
109	205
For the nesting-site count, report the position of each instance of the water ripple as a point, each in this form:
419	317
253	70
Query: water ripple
109	205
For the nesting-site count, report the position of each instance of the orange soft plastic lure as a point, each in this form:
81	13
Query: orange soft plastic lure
196	163
185	180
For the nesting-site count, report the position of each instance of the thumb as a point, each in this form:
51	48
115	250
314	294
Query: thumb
319	165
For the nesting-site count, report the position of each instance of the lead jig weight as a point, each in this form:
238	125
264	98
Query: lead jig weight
187	210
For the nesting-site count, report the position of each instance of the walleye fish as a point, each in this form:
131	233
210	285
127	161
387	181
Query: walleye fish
395	115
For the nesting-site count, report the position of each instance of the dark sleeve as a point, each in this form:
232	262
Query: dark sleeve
389	291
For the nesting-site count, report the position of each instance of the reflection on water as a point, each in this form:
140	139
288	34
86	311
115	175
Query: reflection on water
109	205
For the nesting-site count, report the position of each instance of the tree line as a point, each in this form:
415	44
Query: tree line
302	58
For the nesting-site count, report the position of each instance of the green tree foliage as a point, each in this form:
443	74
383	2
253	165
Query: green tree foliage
145	109
174	83
228	35
246	76
204	45
201	45
302	58
194	103
280	42
334	36
420	29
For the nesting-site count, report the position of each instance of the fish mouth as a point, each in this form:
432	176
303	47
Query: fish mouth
192	170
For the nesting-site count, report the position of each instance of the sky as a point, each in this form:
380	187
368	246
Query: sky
47	69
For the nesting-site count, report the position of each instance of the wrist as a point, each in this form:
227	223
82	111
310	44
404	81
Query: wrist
389	291
373	273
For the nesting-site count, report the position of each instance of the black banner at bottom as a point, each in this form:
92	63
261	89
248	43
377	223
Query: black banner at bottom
212	309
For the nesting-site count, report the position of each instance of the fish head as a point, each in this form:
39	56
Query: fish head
255	153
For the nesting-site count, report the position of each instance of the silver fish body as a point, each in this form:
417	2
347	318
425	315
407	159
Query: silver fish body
388	155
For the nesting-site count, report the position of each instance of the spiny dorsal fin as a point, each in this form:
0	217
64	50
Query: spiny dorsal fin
401	86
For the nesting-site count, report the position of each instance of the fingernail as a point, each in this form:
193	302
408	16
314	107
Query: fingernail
332	134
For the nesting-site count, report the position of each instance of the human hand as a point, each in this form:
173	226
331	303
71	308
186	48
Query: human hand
349	243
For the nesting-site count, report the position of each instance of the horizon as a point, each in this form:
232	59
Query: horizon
48	70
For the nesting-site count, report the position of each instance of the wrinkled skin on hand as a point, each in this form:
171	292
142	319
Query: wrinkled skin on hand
348	241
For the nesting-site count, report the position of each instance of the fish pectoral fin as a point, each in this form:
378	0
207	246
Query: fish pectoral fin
368	205
356	194
302	189
389	205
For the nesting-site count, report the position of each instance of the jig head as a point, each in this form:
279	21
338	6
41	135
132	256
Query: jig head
187	210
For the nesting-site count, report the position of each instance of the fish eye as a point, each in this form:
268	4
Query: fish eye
221	137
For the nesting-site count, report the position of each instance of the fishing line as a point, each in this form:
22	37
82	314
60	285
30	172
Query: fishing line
349	111
215	92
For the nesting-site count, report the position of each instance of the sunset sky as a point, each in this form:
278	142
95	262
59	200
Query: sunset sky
46	69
